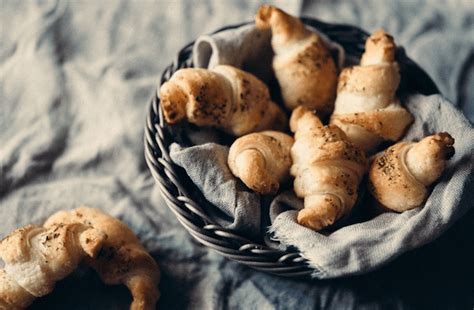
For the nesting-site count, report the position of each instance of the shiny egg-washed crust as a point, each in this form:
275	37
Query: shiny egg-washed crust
327	170
224	97
400	176
122	258
366	107
261	160
303	64
37	257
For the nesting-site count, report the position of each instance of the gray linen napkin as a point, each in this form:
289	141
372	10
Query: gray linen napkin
206	165
355	248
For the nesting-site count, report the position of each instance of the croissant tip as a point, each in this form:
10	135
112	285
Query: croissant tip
379	47
262	19
450	152
266	9
296	116
306	222
446	142
301	110
308	218
445	137
381	34
172	102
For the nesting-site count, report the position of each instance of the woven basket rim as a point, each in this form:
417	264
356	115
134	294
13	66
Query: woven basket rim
289	262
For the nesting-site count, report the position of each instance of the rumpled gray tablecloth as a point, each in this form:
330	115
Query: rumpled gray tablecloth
75	79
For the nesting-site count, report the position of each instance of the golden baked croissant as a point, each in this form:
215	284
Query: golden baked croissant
399	177
122	258
36	258
261	160
302	63
327	170
366	108
224	97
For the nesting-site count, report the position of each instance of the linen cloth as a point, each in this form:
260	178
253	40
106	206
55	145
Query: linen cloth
75	80
206	165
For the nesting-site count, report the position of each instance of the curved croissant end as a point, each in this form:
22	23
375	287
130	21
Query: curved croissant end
379	48
320	211
261	160
173	101
399	177
224	97
285	27
301	120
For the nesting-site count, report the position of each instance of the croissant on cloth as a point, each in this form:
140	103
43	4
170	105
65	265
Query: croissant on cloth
122	258
303	64
399	177
327	169
366	108
261	160
224	97
36	258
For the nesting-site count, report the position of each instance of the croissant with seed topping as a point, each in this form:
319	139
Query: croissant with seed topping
366	108
327	170
399	177
261	160
303	64
224	97
37	257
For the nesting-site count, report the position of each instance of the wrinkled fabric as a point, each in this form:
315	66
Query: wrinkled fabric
75	80
206	165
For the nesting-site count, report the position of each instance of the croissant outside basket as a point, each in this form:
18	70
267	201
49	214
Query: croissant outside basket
177	189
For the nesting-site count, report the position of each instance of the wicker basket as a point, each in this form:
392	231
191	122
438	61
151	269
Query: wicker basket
179	192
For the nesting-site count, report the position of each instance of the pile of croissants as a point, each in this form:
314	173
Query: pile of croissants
327	161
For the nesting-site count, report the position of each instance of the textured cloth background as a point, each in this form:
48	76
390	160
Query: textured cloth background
75	80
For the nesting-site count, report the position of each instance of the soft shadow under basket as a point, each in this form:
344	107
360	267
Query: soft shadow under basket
175	186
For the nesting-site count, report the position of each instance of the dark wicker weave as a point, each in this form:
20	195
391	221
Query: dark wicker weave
177	189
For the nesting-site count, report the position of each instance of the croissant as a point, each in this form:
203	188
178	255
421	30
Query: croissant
36	258
327	170
399	177
122	258
366	108
225	97
302	63
261	160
